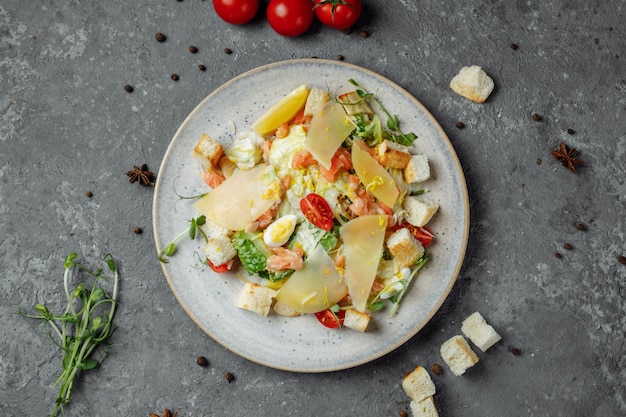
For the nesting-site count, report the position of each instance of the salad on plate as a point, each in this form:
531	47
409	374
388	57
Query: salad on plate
321	201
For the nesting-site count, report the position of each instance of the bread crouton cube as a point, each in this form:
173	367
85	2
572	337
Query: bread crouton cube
458	355
424	408
315	101
356	320
419	209
472	83
219	249
393	155
418	385
404	247
417	170
208	151
482	334
256	298
353	103
284	310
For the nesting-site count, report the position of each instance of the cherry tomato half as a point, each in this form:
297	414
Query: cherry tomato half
290	17
338	14
422	234
219	268
330	319
317	211
236	12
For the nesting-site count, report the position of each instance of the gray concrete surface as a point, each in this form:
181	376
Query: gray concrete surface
67	127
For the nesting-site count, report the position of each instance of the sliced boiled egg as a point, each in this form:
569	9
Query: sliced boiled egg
279	232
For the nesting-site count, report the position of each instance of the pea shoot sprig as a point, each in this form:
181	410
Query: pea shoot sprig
192	231
393	121
86	323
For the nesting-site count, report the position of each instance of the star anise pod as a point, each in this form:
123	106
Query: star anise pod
141	174
166	413
567	157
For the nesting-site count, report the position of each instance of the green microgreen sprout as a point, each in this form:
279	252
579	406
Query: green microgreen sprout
86	323
182	197
195	227
393	121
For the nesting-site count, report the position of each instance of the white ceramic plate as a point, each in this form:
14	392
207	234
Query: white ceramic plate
301	344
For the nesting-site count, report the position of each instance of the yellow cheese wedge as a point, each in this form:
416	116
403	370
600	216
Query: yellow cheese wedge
329	128
363	239
315	287
242	198
373	176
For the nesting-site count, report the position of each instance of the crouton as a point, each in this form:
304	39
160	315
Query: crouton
458	355
356	320
424	408
404	247
476	329
417	170
315	101
354	104
419	210
256	298
418	385
219	249
473	83
284	310
208	151
393	155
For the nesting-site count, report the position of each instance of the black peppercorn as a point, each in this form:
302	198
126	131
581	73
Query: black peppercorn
128	88
160	37
567	246
228	51
174	77
193	49
535	117
229	377
437	369
364	34
581	227
558	255
516	351
137	230
460	125
89	194
621	259
513	46
201	67
202	361
570	131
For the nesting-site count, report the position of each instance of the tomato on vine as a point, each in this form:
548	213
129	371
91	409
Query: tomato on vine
290	17
236	12
337	14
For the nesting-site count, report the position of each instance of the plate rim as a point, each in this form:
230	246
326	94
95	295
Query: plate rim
458	169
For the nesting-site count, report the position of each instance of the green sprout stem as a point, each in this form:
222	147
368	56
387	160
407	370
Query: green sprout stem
87	323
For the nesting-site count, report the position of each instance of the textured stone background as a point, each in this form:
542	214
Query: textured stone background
67	126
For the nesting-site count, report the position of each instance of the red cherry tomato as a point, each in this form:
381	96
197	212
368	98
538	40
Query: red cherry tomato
219	268
330	319
338	14
236	12
290	17
317	211
422	234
